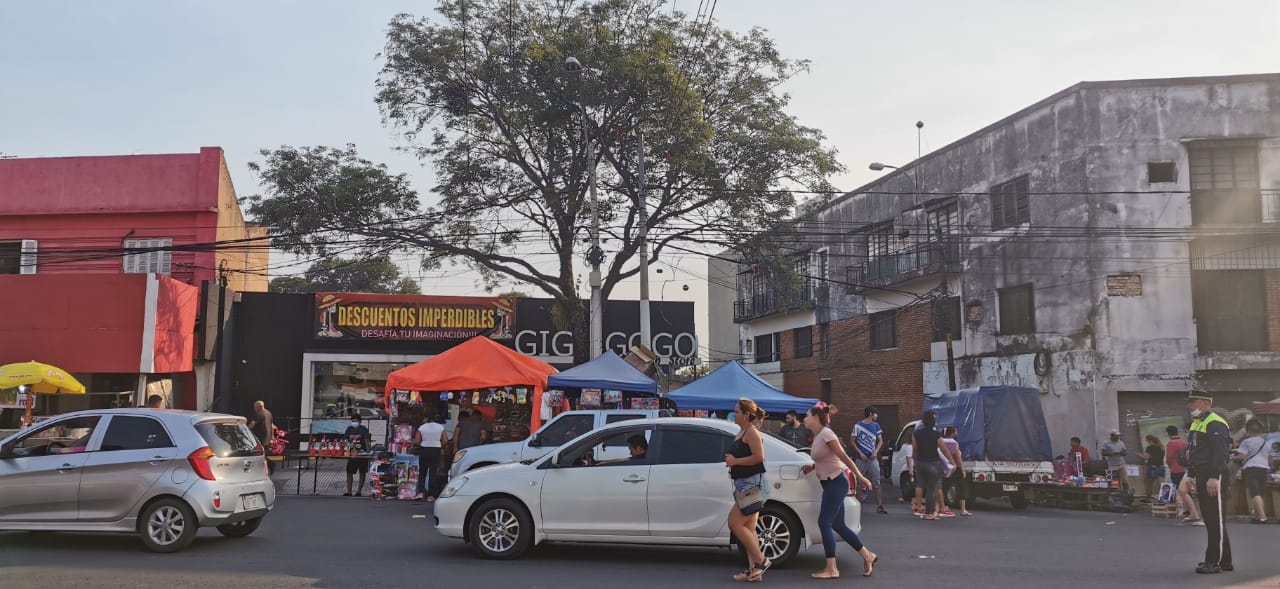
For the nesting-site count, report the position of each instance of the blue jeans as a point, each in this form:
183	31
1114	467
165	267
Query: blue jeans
831	516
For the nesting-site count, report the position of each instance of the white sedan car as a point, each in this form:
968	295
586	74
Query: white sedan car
678	493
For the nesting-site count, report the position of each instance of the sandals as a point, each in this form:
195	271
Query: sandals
823	576
870	567
755	574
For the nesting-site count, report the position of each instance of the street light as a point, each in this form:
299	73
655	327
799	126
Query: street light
594	254
915	197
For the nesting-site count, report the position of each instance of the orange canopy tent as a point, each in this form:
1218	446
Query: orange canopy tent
477	363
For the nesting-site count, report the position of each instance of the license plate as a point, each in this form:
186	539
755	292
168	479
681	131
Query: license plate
254	501
1009	487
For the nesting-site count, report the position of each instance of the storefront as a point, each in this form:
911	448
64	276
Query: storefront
314	359
124	337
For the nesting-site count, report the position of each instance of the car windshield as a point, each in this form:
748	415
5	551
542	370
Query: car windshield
229	439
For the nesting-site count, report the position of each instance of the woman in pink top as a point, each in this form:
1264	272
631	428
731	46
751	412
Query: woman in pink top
830	460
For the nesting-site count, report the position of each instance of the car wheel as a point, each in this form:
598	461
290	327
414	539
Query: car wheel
780	534
168	525
1019	501
501	529
240	529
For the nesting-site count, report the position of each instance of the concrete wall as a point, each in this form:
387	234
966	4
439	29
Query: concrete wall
722	291
1085	152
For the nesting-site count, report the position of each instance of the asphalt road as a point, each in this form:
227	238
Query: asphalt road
342	543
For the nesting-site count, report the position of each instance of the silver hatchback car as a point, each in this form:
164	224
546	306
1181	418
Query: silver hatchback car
161	474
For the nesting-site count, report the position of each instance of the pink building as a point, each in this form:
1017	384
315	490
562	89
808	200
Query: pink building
102	262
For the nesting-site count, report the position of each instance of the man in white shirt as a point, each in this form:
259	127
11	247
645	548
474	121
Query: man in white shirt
429	440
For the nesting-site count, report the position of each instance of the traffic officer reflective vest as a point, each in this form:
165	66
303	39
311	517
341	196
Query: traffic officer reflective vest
1200	448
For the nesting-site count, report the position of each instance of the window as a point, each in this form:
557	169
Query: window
803	337
1010	204
826	390
943	220
10	257
1224	183
18	257
766	348
1230	308
880	242
564	429
1017	310
127	432
620	439
689	446
1160	172
824	340
228	439
946	319
602	449
155	256
820	267
884	330
67	436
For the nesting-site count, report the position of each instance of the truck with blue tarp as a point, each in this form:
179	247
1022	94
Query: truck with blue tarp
1003	437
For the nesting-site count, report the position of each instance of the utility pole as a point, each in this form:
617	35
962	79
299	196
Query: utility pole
594	255
646	328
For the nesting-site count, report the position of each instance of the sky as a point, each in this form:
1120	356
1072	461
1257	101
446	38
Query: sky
167	76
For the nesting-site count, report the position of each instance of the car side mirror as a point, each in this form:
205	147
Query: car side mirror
6	451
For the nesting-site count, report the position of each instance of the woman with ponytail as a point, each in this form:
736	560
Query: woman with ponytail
745	460
830	461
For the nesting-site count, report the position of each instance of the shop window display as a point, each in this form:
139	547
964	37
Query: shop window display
343	389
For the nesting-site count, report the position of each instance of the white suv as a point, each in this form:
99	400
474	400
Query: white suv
160	474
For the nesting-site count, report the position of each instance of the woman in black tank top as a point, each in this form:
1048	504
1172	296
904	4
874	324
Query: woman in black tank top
745	460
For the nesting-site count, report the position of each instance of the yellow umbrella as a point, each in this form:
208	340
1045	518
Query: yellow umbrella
41	378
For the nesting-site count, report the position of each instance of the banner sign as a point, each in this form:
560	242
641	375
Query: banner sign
361	316
674	339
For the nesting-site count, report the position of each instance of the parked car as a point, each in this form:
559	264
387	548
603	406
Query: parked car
157	473
679	493
562	428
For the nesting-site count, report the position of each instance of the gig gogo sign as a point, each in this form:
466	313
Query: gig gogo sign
674	338
341	315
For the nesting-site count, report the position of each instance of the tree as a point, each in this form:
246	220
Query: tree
376	275
481	92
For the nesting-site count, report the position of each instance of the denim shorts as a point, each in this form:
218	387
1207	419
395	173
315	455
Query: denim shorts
744	484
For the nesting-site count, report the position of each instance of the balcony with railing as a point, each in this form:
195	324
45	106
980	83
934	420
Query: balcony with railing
772	302
925	258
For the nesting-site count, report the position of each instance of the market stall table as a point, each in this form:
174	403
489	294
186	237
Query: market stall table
1071	497
304	461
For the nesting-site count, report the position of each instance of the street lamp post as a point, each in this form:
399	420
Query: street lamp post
951	356
594	255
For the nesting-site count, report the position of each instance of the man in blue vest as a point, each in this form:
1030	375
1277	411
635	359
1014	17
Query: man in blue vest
1208	448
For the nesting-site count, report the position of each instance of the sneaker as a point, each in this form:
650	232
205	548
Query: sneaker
917	512
347	494
357	493
880	509
1199	523
946	513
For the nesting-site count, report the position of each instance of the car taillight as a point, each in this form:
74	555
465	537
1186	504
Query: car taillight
217	500
200	463
980	477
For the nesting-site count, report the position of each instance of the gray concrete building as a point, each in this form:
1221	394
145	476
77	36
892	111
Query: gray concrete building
1112	245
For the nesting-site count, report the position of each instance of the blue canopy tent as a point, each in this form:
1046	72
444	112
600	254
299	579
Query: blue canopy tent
608	371
720	391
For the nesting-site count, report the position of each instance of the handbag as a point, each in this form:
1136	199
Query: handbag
749	501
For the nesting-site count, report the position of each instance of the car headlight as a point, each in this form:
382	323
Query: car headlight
452	488
458	456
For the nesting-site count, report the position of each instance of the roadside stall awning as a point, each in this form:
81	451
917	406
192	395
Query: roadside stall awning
721	389
609	371
477	363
